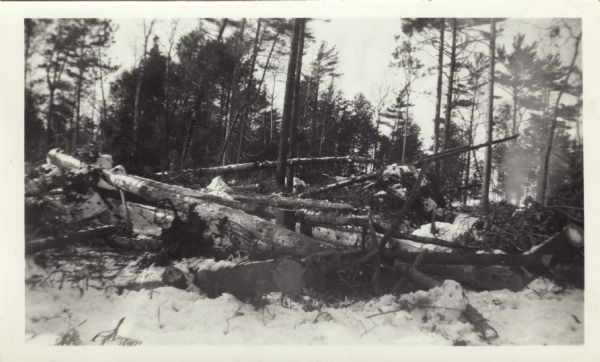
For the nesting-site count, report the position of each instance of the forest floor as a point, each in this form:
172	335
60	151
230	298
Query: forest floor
62	310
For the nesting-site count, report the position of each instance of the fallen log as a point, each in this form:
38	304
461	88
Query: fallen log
252	279
142	186
540	261
245	232
262	165
350	181
493	277
33	246
333	219
291	203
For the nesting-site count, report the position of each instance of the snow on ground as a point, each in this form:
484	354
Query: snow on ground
166	315
219	187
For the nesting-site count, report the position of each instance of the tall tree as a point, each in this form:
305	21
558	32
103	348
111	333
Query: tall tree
288	102
516	75
147	29
542	196
293	144
485	187
246	104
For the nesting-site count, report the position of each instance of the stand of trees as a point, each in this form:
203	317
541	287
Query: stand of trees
207	97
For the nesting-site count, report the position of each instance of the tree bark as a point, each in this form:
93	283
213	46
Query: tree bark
487	174
438	104
450	92
295	107
287	108
246	106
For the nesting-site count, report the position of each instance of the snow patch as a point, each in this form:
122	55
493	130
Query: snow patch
396	170
218	184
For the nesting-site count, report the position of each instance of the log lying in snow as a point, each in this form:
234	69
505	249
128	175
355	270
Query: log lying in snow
291	202
333	219
257	236
262	165
350	181
493	277
252	279
33	246
248	203
471	259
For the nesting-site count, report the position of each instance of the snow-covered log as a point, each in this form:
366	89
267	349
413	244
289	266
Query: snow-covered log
493	277
471	258
259	236
262	165
291	202
155	190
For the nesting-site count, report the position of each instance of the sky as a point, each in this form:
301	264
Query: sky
365	47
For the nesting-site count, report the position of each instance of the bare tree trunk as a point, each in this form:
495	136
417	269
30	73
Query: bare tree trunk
231	113
287	108
449	94
246	110
542	197
487	174
295	107
470	140
404	136
438	104
313	127
167	126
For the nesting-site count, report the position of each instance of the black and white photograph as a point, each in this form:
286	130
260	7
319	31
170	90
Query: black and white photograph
364	181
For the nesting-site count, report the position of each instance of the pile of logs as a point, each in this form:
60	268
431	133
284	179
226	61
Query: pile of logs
287	261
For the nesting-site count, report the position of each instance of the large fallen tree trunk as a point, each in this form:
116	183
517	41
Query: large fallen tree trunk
332	219
291	202
262	165
252	279
33	246
471	259
246	232
247	203
493	277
